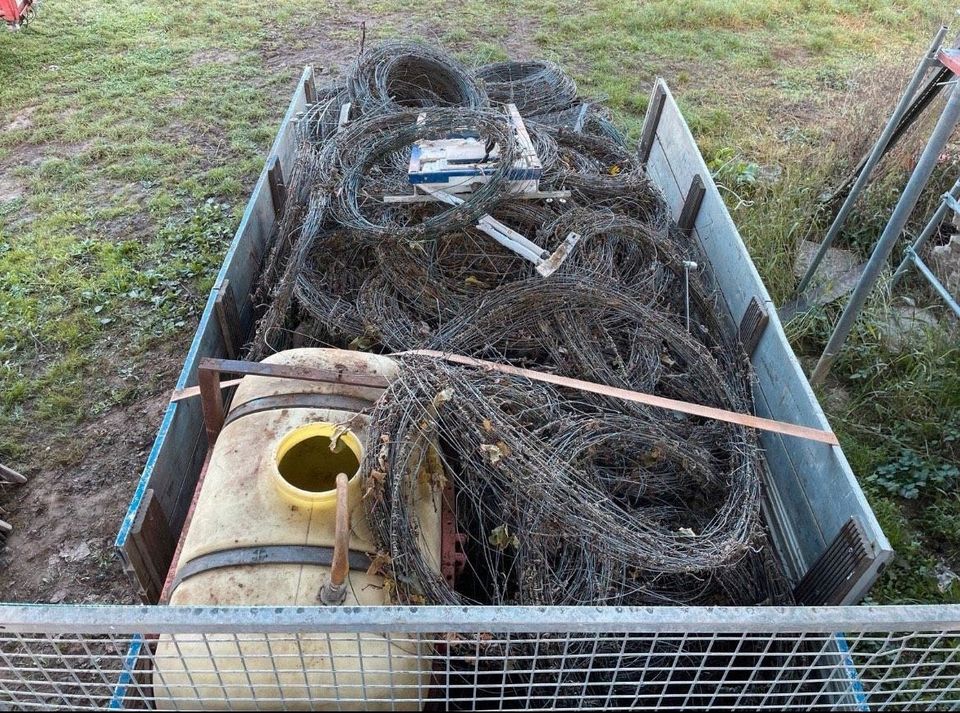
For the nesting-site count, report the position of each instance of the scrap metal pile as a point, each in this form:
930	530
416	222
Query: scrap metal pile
563	497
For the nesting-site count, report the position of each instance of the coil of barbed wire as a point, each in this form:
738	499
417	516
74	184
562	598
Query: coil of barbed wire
402	75
359	159
516	452
586	117
534	86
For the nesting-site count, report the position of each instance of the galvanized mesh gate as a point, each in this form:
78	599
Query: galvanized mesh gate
859	658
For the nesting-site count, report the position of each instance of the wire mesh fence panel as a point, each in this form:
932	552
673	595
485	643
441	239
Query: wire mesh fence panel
438	658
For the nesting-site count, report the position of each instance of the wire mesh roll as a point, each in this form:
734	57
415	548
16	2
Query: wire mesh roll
396	76
534	86
554	509
362	159
585	118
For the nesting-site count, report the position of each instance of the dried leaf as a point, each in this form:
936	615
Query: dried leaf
434	473
492	453
686	532
652	457
614	170
379	564
488	425
476	282
362	344
354	423
501	538
442	397
383	457
375	484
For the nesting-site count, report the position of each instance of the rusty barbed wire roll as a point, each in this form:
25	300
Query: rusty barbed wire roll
545	524
357	164
534	86
397	76
585	117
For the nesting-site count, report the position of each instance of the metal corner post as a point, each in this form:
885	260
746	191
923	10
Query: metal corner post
898	220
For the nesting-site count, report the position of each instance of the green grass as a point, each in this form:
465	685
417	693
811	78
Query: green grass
139	130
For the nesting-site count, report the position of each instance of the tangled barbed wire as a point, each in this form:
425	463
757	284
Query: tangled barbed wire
534	87
397	75
564	500
563	497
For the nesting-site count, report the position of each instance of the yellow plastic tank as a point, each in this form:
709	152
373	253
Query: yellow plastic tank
268	503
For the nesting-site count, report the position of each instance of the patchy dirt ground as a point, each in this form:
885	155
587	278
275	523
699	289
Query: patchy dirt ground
65	518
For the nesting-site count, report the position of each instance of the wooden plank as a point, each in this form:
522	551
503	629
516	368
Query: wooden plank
814	480
11	476
225	306
154	542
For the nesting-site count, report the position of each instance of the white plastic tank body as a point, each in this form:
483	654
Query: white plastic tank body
268	496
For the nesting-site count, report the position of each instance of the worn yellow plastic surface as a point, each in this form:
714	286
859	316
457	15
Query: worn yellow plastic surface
243	503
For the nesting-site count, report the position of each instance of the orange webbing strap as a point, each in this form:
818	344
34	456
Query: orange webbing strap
718	414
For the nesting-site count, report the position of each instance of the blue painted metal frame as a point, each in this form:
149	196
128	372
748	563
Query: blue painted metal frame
127	674
181	435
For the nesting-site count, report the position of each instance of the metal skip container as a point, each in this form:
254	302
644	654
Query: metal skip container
269	498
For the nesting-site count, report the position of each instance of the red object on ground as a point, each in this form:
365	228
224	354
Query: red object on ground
950	58
13	12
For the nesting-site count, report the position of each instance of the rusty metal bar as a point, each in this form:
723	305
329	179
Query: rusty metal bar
209	371
290	371
211	401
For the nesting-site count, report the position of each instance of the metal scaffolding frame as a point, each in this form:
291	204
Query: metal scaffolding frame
911	255
946	123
